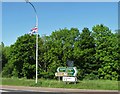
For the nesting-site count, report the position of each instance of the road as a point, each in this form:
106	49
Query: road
44	90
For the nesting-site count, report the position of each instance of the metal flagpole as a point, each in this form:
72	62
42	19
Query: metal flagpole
36	49
36	40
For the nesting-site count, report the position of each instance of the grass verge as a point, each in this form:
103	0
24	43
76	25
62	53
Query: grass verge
85	84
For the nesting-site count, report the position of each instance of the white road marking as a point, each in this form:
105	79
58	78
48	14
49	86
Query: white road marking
20	90
3	91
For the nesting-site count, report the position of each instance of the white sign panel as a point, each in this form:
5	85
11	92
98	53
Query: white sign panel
70	79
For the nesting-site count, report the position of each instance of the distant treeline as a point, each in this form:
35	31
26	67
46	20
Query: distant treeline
96	54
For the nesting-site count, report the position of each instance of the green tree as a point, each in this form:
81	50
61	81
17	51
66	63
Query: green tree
105	52
63	41
22	58
58	48
4	52
84	53
95	54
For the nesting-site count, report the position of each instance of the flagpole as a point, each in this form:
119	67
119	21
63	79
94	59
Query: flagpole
37	49
27	1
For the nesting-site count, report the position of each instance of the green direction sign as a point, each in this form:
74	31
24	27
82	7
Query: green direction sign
72	71
61	69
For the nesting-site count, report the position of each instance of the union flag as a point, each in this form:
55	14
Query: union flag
34	30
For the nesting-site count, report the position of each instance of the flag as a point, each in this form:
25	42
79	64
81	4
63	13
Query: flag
34	30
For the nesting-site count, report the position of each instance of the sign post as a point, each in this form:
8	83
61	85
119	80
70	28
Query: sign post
68	74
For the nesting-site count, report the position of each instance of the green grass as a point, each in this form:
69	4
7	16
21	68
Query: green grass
85	84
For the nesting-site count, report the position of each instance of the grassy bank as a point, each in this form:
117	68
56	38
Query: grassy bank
85	84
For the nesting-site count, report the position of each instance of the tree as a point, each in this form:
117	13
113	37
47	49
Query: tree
22	58
95	54
84	53
105	52
4	52
64	40
58	48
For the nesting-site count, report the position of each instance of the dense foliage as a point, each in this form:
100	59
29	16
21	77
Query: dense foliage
95	54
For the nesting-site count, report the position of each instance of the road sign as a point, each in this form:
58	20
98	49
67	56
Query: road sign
60	74
70	79
72	71
61	69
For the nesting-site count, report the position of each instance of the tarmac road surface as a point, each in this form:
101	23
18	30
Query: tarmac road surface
43	90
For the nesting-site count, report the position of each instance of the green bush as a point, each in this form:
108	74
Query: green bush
91	77
46	75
